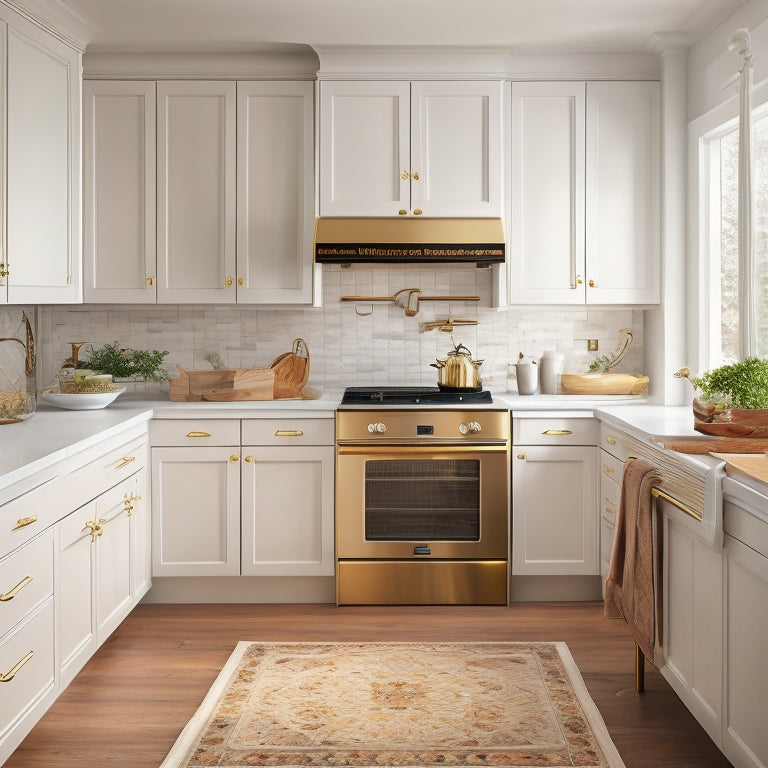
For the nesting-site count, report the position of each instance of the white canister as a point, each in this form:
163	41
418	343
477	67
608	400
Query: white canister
550	368
527	374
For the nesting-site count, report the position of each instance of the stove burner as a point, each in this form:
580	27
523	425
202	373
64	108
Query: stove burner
411	396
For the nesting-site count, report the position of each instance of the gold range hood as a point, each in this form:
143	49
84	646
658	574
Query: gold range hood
399	241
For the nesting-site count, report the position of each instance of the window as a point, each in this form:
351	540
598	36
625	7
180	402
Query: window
722	154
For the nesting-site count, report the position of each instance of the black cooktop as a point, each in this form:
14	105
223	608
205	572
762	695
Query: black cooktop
412	396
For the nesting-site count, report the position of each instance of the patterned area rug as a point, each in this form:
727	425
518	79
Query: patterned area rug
397	704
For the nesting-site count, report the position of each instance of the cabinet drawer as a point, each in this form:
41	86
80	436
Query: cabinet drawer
288	432
195	432
31	513
610	493
26	580
611	440
611	467
26	657
555	431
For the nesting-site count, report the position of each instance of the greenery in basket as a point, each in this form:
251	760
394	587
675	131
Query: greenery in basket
128	363
740	385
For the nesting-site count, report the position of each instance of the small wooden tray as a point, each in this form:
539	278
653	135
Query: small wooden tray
283	379
603	384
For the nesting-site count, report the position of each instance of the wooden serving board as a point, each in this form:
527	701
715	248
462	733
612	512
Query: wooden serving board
284	379
753	464
603	384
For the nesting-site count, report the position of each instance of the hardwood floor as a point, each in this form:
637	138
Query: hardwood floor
128	705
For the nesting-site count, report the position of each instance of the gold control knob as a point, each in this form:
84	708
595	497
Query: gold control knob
472	428
377	428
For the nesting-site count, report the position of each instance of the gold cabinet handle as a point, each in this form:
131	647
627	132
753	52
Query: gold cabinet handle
610	439
557	432
198	434
125	461
150	282
417	211
521	456
591	283
128	502
403	212
95	528
405	175
240	281
578	281
6	677
415	175
13	592
608	470
249	459
228	282
289	433
23	522
234	458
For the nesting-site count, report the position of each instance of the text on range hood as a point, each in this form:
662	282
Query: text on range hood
395	241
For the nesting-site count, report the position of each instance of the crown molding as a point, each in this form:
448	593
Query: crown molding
300	64
55	17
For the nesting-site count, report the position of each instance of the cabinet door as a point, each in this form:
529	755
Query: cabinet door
693	618
744	731
546	226
196	191
196	511
119	191
75	597
275	199
287	509
138	509
623	193
43	255
456	148
364	148
113	560
555	518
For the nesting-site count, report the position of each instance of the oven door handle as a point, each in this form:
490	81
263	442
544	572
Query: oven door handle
417	449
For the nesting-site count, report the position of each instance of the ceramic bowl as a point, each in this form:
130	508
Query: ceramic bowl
82	401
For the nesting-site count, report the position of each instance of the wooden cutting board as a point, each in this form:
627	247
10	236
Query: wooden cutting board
753	464
703	446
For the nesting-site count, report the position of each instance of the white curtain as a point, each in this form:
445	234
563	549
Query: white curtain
741	46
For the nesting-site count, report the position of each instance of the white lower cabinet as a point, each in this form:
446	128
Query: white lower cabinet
67	578
263	508
555	515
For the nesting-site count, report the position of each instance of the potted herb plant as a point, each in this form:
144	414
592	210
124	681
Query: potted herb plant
735	394
132	364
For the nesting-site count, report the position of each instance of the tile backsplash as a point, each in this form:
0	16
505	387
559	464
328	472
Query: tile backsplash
351	343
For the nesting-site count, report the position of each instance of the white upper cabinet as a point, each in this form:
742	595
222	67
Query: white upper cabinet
623	193
546	260
585	207
40	106
275	196
393	148
196	124
119	191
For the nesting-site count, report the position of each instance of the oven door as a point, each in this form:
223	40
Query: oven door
422	502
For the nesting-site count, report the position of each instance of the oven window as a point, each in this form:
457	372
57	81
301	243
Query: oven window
422	500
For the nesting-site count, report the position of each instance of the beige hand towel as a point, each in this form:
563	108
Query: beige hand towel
631	587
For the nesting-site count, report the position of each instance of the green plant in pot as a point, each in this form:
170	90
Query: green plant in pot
121	363
735	394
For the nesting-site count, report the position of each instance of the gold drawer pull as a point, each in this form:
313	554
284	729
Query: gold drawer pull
10	595
557	432
608	470
289	433
198	434
610	439
8	676
23	522
126	460
95	528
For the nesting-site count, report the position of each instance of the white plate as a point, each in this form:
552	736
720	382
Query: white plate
82	401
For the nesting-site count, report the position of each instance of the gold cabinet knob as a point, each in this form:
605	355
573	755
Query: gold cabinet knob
405	175
234	458
579	281
417	211
150	282
240	281
250	459
228	282
403	212
591	283
415	175
521	456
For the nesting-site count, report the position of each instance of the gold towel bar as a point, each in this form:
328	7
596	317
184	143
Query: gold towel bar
659	494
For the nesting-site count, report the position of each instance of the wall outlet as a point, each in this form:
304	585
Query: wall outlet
591	345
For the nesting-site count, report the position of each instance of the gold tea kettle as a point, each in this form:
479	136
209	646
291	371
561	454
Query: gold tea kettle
458	371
